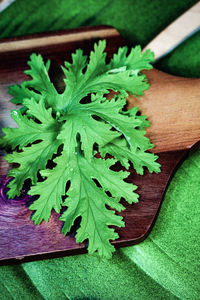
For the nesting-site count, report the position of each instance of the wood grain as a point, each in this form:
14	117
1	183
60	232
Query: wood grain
172	105
173	108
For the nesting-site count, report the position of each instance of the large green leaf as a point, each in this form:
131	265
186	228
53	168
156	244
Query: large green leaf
65	129
171	254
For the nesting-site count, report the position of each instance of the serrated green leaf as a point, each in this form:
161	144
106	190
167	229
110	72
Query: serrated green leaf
81	122
40	83
135	61
39	72
39	111
50	191
68	129
126	124
140	159
21	92
97	79
74	75
29	131
31	160
94	216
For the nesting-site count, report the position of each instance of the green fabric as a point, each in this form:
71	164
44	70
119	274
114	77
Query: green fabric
167	264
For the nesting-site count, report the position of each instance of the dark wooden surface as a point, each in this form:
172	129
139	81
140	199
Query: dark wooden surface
19	238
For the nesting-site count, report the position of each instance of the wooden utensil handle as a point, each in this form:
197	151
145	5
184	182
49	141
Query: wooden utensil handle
176	32
4	4
172	105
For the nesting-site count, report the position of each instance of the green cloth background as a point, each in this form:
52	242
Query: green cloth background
167	264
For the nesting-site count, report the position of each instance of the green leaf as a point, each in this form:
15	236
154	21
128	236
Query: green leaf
21	92
31	160
140	159
95	218
34	158
58	136
135	61
171	253
125	123
39	111
50	191
39	72
29	130
90	130
40	83
97	78
74	72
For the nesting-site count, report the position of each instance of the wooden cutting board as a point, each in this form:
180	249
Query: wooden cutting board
172	104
